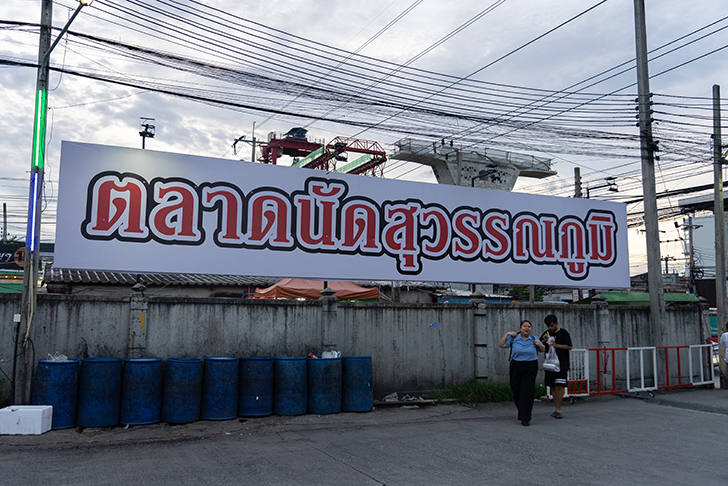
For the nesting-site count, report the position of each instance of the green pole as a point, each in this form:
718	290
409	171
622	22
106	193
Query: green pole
32	236
29	296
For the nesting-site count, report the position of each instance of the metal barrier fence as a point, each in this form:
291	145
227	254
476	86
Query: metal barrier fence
642	377
604	370
705	359
577	379
608	371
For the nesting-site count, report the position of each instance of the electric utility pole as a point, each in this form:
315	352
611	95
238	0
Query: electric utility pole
252	156
5	222
577	182
576	293
691	227
253	142
32	238
29	296
720	236
648	147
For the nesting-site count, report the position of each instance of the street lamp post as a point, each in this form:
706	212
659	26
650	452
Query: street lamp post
611	186
37	166
483	174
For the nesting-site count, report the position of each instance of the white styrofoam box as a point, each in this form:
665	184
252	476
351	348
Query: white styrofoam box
26	419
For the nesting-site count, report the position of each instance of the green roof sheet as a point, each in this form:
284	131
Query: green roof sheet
11	288
641	298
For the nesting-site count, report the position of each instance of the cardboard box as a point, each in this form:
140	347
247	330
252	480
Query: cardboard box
26	419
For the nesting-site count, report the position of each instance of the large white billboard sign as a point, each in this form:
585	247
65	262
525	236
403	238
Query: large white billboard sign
141	211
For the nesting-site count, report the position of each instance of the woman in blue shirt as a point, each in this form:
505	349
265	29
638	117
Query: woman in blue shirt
523	368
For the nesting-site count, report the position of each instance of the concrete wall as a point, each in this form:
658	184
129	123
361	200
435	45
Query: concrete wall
414	347
186	327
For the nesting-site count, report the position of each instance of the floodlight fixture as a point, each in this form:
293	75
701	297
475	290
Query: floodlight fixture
148	129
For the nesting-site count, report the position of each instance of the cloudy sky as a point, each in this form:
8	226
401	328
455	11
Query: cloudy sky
547	74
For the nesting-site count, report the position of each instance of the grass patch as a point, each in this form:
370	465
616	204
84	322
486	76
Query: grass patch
474	391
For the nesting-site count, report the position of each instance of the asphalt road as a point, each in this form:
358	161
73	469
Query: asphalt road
674	438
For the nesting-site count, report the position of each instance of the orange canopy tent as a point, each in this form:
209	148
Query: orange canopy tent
298	288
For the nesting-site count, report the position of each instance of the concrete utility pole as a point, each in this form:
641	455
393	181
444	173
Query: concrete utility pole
577	182
253	142
576	293
29	296
252	157
32	238
693	286
648	147
720	236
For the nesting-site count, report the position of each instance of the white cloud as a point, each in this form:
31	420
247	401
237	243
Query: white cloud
95	112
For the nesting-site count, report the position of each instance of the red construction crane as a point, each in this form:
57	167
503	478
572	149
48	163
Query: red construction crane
316	155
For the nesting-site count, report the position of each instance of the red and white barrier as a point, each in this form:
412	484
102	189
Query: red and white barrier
608	371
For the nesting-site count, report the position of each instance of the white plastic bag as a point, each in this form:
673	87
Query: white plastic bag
551	363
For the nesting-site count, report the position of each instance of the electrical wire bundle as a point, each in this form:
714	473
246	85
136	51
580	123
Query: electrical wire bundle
226	60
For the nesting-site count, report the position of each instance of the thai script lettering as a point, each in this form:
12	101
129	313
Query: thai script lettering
324	217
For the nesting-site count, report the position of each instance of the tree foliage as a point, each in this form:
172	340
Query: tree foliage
521	292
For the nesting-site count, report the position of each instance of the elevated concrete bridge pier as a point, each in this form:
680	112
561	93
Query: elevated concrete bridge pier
484	168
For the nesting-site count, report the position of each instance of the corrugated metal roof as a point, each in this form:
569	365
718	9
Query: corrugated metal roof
403	283
64	275
641	298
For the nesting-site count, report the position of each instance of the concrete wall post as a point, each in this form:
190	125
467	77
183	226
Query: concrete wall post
329	310
481	356
604	336
137	342
603	320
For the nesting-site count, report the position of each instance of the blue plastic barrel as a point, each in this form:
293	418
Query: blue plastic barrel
99	392
356	388
255	396
141	391
219	388
324	385
182	390
56	383
290	395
